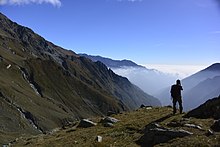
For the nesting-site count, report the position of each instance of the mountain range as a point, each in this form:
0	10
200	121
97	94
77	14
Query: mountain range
43	86
198	87
149	80
112	63
201	86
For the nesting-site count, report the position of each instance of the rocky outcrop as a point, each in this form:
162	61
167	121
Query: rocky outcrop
216	126
210	109
193	126
31	118
85	123
30	79
155	134
184	123
26	115
109	121
98	138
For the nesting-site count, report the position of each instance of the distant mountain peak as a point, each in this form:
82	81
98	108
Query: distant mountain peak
112	63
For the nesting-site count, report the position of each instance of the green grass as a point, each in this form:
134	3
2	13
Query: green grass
128	130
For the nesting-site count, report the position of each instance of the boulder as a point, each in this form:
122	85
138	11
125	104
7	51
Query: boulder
216	126
149	108
98	138
142	106
155	134
8	66
146	107
85	123
193	126
109	121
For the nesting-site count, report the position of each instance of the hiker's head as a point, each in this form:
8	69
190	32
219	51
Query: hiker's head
178	82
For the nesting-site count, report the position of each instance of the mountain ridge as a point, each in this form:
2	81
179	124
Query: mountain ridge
112	63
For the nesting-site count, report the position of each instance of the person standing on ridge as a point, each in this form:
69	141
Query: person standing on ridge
176	96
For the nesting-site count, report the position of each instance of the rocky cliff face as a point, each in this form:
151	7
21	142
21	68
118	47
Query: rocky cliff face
43	86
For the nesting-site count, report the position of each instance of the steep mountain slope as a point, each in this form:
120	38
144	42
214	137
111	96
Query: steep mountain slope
202	92
209	109
149	80
207	73
43	86
198	87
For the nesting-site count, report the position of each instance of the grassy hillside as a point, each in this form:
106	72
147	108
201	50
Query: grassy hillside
127	131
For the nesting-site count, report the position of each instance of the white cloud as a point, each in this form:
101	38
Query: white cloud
157	76
146	79
56	3
181	71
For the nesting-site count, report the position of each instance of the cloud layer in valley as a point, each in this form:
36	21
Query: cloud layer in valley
150	81
153	81
180	71
56	3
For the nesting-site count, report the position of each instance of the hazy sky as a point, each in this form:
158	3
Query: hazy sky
145	31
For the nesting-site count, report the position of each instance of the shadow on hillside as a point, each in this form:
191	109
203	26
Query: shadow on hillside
162	118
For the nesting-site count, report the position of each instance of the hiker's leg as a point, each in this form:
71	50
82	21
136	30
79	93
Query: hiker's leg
174	105
180	105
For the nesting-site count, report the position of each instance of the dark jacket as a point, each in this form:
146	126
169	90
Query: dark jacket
176	91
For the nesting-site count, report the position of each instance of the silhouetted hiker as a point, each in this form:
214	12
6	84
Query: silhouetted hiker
176	96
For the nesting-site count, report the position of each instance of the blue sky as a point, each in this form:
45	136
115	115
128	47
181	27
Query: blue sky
145	31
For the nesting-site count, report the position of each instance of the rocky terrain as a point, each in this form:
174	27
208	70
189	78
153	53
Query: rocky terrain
147	126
